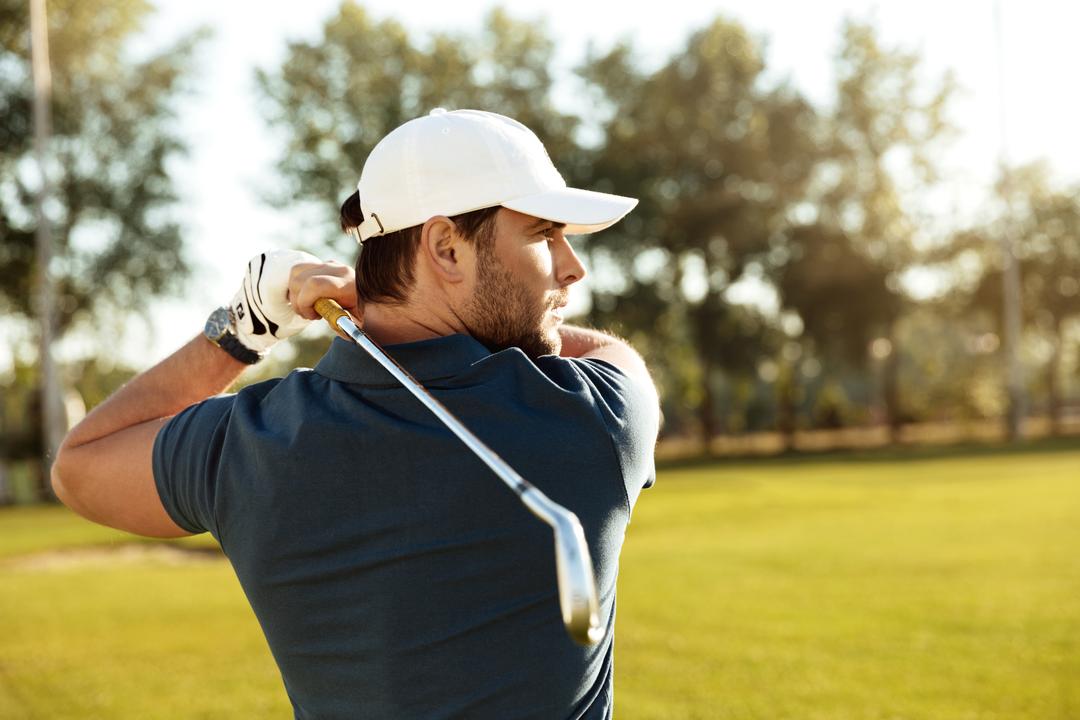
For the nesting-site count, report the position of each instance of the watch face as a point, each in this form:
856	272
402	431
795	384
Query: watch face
217	324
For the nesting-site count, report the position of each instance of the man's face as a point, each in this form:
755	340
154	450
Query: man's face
521	283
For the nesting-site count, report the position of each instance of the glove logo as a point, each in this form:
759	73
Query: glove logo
262	312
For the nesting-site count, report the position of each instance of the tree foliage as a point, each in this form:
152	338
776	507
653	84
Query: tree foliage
116	238
718	160
1042	222
742	183
334	98
880	149
116	242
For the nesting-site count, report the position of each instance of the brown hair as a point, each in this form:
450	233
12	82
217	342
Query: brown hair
384	267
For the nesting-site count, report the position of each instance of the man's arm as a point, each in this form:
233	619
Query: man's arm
630	408
580	342
104	469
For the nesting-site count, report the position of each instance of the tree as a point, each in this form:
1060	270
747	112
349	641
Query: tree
880	148
1044	223
718	160
843	299
116	243
334	98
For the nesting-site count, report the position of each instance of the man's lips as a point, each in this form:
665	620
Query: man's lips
558	302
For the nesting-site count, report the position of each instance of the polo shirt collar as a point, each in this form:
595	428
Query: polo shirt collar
425	360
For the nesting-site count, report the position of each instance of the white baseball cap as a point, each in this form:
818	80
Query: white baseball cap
448	163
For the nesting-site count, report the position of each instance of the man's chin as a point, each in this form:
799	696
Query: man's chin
548	342
534	346
539	346
556	345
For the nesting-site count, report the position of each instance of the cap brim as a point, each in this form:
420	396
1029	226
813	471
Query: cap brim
583	211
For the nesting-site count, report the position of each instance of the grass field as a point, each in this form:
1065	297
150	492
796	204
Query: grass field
881	588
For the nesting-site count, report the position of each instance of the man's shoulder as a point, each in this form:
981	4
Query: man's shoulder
628	407
226	407
603	378
297	381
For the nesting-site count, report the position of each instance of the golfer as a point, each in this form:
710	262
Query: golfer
393	575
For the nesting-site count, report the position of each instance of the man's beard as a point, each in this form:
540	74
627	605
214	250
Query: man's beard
501	314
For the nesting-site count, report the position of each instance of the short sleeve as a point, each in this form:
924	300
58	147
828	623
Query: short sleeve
186	459
631	412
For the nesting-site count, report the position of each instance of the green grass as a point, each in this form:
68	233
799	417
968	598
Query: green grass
937	588
941	587
26	530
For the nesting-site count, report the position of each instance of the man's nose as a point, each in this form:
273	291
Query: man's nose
568	266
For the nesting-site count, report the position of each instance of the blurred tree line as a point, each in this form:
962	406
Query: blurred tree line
115	242
764	275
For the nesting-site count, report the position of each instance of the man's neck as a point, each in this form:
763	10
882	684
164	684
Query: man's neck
394	324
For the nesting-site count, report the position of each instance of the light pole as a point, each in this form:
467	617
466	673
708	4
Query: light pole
52	412
1010	267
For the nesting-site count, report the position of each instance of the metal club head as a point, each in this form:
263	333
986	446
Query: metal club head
573	569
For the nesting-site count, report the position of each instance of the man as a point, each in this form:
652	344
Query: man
392	575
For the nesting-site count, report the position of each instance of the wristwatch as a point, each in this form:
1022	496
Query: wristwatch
219	330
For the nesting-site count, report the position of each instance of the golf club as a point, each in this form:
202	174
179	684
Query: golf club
573	566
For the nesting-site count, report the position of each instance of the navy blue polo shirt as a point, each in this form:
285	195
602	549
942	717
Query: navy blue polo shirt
393	574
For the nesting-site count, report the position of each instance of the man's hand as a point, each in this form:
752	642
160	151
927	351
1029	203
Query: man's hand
310	281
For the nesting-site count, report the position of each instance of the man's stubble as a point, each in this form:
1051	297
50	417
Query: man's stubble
502	314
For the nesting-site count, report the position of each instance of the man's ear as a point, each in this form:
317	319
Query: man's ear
444	250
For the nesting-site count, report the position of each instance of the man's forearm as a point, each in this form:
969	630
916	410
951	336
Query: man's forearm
576	341
584	343
193	373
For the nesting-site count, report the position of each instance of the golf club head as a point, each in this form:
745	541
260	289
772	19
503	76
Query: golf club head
577	584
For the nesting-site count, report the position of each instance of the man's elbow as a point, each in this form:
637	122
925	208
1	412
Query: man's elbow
65	479
58	476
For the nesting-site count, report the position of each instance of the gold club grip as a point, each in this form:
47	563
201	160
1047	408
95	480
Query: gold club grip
331	312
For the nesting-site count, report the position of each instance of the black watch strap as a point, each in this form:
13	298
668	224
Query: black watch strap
232	345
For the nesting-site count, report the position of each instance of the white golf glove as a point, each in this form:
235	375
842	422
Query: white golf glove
261	308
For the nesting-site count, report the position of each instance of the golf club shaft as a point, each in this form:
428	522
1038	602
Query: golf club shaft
577	583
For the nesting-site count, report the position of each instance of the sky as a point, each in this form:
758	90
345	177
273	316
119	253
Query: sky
233	152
